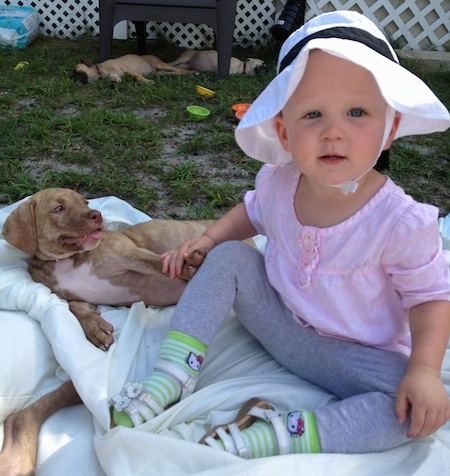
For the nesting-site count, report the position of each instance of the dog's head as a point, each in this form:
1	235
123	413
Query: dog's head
84	72
54	223
254	66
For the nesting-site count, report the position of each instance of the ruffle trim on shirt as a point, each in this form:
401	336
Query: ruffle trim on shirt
309	244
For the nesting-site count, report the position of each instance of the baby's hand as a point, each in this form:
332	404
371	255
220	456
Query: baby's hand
184	260
423	393
192	263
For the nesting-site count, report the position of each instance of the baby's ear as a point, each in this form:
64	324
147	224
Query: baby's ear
280	129
395	124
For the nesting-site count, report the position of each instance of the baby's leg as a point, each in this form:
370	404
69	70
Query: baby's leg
365	379
232	275
368	417
230	270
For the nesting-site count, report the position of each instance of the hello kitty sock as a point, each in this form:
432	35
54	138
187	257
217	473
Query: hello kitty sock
180	360
261	440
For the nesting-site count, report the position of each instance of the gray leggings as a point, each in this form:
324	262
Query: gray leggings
364	378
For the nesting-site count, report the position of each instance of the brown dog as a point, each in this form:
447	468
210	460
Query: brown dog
135	66
81	262
207	61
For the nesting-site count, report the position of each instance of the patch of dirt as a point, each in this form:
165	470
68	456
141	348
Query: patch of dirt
164	206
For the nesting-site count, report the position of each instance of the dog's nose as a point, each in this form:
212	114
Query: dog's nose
95	215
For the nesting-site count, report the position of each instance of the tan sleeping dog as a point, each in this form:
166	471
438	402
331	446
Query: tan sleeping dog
207	60
81	262
135	66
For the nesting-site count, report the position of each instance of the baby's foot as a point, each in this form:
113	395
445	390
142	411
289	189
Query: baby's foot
260	430
180	360
133	406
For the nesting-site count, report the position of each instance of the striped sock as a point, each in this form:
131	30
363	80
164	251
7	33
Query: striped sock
179	349
302	428
261	440
182	350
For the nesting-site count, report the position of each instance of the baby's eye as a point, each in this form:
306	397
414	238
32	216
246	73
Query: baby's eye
313	115
356	112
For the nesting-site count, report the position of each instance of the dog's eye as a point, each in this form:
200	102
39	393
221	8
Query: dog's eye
58	209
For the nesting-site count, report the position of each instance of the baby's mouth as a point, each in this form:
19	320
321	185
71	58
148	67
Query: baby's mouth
330	158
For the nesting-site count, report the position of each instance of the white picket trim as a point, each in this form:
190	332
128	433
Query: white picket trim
411	24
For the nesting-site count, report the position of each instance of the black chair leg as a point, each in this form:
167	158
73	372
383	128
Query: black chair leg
224	36
141	36
106	14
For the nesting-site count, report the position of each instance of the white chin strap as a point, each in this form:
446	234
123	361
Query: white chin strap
352	185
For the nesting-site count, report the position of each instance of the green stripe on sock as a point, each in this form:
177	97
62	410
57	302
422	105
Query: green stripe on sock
190	341
260	439
184	351
175	349
313	433
267	442
308	442
162	388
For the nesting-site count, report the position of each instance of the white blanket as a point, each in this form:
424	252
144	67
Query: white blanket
42	344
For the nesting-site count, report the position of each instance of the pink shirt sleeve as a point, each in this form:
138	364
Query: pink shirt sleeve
422	275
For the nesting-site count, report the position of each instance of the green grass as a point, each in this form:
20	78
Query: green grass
137	141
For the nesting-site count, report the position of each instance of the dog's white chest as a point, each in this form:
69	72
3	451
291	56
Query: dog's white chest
83	283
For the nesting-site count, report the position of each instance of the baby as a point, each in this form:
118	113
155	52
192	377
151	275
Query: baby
353	290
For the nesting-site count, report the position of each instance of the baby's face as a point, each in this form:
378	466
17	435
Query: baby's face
333	123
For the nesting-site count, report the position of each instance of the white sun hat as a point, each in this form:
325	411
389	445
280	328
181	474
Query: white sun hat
351	36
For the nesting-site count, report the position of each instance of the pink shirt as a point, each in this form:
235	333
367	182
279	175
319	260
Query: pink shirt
355	280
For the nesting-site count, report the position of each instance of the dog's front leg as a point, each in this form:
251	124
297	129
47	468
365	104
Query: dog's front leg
146	262
97	330
139	260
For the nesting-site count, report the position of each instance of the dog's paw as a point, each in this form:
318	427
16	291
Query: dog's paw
115	78
99	332
192	263
96	329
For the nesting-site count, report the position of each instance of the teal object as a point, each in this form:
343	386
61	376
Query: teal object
444	228
18	26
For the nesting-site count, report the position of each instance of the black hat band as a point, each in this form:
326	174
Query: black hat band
342	32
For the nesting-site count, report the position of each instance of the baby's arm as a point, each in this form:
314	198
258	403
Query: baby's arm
235	225
421	391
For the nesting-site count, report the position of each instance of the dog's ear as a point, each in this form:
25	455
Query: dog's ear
87	61
19	229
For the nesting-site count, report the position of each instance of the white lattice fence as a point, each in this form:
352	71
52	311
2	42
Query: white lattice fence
252	23
410	24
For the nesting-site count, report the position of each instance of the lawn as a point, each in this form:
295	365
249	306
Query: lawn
138	142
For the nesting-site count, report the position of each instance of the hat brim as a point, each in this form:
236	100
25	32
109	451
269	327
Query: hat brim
421	111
